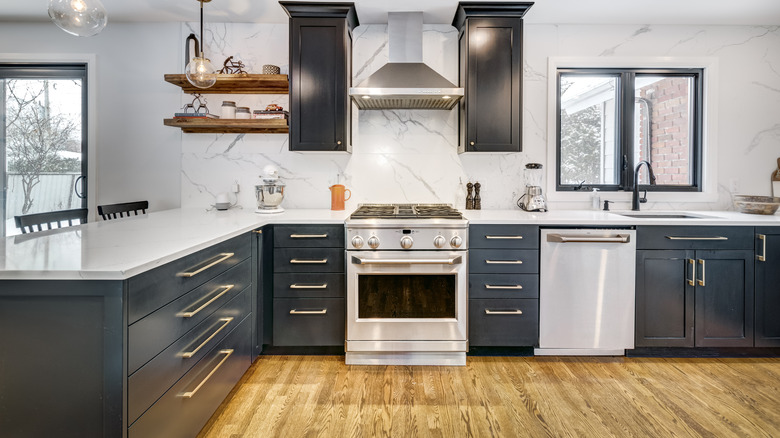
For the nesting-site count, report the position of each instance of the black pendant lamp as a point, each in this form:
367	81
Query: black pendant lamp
200	72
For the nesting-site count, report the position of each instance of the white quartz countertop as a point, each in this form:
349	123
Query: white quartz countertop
119	249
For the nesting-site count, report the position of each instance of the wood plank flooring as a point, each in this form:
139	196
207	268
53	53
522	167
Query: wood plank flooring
320	396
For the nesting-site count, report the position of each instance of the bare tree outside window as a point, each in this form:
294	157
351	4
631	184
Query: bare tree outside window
37	136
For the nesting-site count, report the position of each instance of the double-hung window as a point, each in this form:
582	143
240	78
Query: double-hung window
611	119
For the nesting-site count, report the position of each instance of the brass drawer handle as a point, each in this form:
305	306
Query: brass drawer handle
192	313
504	262
762	257
701	282
504	237
192	393
304	261
503	312
258	231
692	281
308	236
189	354
507	287
309	286
697	238
308	312
220	258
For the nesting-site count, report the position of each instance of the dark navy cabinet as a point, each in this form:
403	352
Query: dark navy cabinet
694	287
767	241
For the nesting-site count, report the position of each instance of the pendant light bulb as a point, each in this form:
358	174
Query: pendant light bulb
200	72
78	17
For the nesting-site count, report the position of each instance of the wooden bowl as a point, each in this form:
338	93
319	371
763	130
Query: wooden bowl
756	204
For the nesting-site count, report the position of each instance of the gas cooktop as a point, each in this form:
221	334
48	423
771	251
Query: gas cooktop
406	211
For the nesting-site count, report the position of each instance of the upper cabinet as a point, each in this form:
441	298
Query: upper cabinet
491	71
320	75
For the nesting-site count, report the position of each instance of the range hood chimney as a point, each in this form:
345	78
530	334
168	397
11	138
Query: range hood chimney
405	82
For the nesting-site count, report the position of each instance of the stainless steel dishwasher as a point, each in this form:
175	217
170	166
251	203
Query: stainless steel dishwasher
586	291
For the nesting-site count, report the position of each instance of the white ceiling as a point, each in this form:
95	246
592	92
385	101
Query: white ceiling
699	12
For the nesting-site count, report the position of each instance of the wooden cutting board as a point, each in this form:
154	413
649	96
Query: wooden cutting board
776	180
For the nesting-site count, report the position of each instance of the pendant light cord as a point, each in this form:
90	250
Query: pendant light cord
202	42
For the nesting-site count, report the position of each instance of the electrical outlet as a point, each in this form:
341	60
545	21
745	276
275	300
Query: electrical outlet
235	188
734	185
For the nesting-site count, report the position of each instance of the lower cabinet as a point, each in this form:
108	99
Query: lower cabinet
503	322
314	322
692	297
767	287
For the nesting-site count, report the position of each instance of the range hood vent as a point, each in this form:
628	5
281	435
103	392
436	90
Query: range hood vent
405	82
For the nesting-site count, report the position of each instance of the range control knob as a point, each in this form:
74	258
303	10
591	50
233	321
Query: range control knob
357	242
439	241
456	242
373	242
406	242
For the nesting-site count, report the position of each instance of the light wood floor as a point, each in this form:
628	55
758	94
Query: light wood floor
319	396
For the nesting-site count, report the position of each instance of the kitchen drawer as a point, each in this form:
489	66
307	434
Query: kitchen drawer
150	335
504	236
322	324
694	237
503	286
316	285
175	415
309	236
148	383
503	261
153	289
309	260
508	329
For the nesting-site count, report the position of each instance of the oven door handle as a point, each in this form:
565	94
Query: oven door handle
450	261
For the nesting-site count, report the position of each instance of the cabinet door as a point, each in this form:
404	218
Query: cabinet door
493	110
724	298
320	74
664	299
767	287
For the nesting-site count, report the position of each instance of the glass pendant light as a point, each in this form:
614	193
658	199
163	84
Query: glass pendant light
200	72
78	17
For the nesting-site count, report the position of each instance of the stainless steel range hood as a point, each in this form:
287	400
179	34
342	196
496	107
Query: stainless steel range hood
405	82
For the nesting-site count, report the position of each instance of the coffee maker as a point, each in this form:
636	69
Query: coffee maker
533	199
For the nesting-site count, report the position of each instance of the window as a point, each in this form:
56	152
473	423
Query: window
609	120
42	139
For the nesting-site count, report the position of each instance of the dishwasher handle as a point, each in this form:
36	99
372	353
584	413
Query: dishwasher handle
560	238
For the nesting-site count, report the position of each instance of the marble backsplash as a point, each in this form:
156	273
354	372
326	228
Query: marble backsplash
411	156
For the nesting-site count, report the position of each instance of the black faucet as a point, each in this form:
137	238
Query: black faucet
635	200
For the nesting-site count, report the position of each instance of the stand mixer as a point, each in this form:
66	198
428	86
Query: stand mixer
271	193
533	199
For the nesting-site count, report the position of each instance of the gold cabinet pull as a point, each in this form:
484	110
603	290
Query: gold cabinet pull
308	312
504	262
507	287
219	259
696	238
762	257
304	261
192	393
308	236
309	286
257	231
504	237
701	282
192	313
691	281
503	312
225	321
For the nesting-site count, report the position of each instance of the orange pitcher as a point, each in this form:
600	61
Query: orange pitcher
337	192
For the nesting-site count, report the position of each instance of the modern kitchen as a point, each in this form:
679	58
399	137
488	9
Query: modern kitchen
430	218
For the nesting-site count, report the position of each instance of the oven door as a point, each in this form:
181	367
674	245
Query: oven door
403	296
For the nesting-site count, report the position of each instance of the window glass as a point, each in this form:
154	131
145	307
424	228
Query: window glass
587	117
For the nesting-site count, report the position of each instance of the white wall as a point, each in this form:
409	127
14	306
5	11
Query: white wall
137	157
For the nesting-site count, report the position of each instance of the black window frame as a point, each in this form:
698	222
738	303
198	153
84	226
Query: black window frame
624	126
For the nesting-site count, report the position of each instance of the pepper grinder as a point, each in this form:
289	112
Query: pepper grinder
477	199
469	198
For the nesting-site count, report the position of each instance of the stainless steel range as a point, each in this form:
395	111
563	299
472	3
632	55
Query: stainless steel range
406	285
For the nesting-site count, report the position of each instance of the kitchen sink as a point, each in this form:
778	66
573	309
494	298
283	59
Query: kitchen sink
651	215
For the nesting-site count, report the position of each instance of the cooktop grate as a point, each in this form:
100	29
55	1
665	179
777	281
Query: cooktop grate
406	211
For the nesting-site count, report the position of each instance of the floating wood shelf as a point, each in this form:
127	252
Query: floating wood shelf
236	84
229	126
